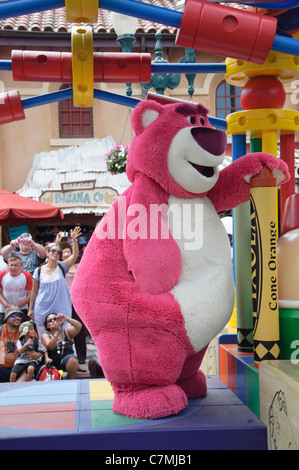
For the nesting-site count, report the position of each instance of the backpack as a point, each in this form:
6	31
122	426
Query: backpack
47	373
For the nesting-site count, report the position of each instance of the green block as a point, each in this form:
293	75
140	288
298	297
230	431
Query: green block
102	416
289	332
253	393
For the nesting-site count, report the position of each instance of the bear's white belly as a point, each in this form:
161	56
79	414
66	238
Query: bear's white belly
205	290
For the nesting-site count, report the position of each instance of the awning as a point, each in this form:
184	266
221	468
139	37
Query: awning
16	209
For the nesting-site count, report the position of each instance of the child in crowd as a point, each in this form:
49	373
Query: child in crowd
28	341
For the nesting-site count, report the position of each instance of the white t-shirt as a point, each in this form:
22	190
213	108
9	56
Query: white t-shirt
21	358
14	288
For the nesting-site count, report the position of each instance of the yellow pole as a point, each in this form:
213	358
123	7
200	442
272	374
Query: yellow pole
269	145
269	141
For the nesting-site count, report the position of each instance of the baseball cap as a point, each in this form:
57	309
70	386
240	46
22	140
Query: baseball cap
10	310
24	327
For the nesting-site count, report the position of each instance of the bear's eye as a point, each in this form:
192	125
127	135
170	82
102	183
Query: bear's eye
202	121
191	119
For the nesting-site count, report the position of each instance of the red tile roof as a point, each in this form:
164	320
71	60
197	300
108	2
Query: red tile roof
55	20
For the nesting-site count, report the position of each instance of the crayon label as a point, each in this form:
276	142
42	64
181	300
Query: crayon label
245	339
264	273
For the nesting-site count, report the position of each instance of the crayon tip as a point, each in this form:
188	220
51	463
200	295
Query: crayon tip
264	179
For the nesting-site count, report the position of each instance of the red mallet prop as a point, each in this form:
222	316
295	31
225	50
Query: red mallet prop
11	108
225	31
57	67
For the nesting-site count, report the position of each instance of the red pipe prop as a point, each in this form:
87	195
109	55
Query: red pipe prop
57	67
11	108
225	31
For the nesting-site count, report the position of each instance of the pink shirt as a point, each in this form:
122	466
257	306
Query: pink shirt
14	288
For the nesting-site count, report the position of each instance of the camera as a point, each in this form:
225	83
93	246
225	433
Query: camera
64	234
24	238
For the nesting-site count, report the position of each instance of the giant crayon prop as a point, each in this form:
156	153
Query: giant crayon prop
264	267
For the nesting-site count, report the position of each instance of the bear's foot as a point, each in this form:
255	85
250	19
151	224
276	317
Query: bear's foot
194	386
151	402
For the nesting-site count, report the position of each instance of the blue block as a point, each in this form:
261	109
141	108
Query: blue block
228	339
242	377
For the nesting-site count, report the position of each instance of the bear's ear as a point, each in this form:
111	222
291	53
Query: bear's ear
146	112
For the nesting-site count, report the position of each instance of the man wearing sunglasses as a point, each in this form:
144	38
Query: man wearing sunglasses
9	335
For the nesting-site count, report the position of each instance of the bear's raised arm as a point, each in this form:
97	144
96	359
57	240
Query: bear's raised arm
232	187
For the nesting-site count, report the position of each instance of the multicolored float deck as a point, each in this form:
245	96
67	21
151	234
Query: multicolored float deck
78	415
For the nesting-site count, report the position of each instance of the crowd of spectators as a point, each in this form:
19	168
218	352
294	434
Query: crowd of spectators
38	323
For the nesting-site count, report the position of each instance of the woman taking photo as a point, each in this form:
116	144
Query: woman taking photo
60	342
50	292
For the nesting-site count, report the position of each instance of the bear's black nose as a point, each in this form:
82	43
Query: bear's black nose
211	140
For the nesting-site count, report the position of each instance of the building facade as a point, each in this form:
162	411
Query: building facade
51	129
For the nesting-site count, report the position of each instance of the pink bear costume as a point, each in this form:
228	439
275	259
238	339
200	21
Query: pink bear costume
155	283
